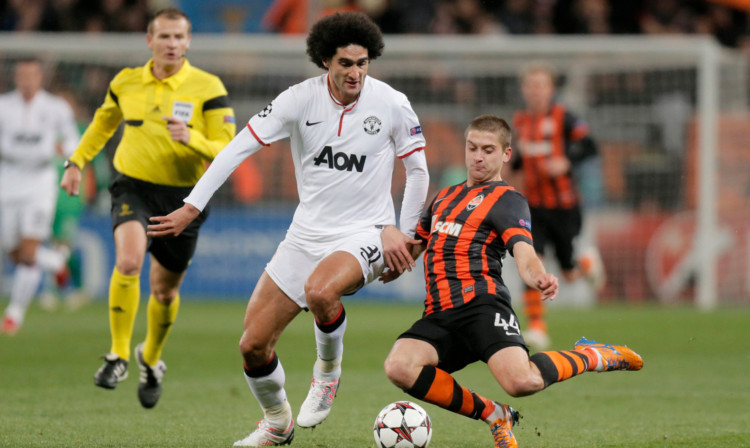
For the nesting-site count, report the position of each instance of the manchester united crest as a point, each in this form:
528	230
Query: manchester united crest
372	125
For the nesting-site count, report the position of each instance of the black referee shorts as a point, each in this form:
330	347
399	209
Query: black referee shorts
137	200
472	332
558	227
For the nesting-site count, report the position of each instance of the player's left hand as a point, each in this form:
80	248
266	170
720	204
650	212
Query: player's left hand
178	130
174	223
396	247
548	285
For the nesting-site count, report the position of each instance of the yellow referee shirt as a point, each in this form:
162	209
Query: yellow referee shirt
146	151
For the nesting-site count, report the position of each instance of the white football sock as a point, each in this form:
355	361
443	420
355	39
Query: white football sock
25	284
330	345
269	390
330	351
279	416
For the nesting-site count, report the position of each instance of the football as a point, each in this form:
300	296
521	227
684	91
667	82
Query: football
402	424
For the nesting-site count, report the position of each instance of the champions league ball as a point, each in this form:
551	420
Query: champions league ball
402	424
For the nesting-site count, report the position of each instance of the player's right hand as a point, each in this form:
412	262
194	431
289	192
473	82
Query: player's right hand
71	180
548	285
174	223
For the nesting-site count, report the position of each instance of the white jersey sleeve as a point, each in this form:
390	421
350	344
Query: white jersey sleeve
415	192
276	120
242	146
409	145
407	135
267	126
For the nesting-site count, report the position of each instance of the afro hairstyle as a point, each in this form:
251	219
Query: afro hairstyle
340	30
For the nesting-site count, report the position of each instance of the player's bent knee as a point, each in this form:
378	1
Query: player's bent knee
400	373
254	353
323	303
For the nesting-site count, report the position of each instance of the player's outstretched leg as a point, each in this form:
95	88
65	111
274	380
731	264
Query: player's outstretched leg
611	357
149	382
326	372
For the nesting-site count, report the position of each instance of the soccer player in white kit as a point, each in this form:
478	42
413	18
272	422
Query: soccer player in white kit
346	129
33	122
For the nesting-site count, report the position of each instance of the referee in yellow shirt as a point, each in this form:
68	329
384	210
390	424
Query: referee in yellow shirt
177	118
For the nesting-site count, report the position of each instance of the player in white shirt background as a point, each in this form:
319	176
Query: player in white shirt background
33	125
346	131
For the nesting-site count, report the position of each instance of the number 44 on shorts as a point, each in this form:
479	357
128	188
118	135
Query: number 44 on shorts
510	326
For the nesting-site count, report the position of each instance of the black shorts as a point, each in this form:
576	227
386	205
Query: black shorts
558	227
472	332
137	200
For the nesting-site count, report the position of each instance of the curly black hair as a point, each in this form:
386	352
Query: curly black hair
340	30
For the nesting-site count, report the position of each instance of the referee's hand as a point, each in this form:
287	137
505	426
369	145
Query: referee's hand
174	223
71	180
178	130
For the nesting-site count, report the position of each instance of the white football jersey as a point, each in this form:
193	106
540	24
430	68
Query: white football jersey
29	135
343	155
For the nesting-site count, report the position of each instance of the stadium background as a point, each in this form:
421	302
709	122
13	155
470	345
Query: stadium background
663	85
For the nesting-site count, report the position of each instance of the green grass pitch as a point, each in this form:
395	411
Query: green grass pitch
694	390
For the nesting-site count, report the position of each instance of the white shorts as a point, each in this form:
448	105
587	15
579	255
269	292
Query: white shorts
30	218
296	258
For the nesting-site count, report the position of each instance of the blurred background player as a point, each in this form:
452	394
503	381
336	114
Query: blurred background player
33	124
465	234
549	142
168	139
346	130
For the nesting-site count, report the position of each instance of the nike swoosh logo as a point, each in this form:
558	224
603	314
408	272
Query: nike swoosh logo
307	123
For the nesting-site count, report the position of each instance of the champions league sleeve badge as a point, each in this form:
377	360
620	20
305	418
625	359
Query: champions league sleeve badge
266	111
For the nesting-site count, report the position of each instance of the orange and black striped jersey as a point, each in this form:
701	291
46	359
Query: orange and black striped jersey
467	231
538	138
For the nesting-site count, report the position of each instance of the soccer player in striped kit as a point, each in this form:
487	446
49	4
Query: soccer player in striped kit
550	141
346	131
465	233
